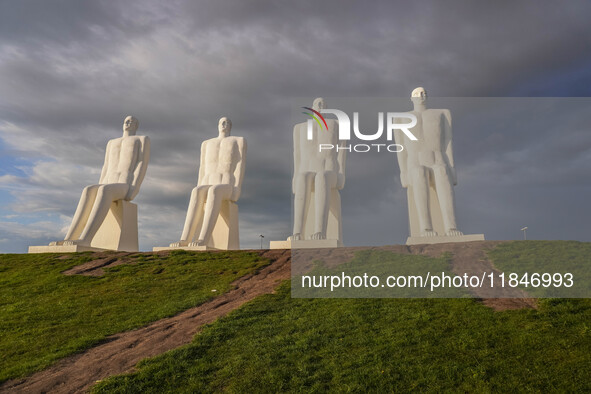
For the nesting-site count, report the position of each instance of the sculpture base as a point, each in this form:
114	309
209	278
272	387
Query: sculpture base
225	232
118	232
119	229
306	244
63	249
191	248
444	239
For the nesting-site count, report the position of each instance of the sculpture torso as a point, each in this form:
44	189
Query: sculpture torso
428	151
221	156
122	159
310	158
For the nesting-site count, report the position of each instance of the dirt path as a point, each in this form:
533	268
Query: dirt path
120	353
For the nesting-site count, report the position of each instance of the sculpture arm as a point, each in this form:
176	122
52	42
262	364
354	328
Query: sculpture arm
296	157
401	156
106	165
140	168
239	171
448	144
342	160
201	175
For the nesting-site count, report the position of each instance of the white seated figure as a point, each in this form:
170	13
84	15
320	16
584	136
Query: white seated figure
427	171
212	215
105	218
318	177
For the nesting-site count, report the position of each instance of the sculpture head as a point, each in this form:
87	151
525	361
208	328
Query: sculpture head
130	125
225	126
419	96
318	104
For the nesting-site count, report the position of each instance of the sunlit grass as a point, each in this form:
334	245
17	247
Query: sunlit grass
45	315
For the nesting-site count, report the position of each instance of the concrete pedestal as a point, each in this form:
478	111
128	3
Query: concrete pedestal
63	249
444	239
306	244
225	234
192	248
117	232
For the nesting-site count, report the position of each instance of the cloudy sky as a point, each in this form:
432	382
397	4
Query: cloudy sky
70	72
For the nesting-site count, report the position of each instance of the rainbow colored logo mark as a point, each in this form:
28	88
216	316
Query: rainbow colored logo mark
315	118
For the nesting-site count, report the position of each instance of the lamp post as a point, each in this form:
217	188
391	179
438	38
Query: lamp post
262	236
524	233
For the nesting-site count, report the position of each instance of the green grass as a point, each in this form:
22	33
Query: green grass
281	344
381	264
45	315
550	257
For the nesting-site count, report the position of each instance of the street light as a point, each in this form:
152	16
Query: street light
524	233
262	236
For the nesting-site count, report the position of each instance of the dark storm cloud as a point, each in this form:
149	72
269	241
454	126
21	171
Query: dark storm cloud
71	71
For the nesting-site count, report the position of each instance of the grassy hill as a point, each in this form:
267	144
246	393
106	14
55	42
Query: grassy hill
45	315
278	343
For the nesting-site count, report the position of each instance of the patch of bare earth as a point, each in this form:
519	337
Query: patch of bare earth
101	260
121	352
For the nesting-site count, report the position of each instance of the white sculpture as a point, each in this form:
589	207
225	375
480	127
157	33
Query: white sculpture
105	218
318	177
213	214
427	171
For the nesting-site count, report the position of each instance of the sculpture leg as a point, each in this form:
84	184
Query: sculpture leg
194	214
335	211
324	182
105	195
82	212
215	195
420	189
445	193
301	202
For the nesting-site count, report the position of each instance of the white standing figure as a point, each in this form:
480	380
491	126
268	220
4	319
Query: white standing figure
126	162
427	170
318	176
221	172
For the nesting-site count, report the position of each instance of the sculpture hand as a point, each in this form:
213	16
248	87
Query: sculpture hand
454	177
129	194
235	194
340	181
403	180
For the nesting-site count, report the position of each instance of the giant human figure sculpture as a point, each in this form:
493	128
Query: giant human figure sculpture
427	171
105	218
318	176
212	216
